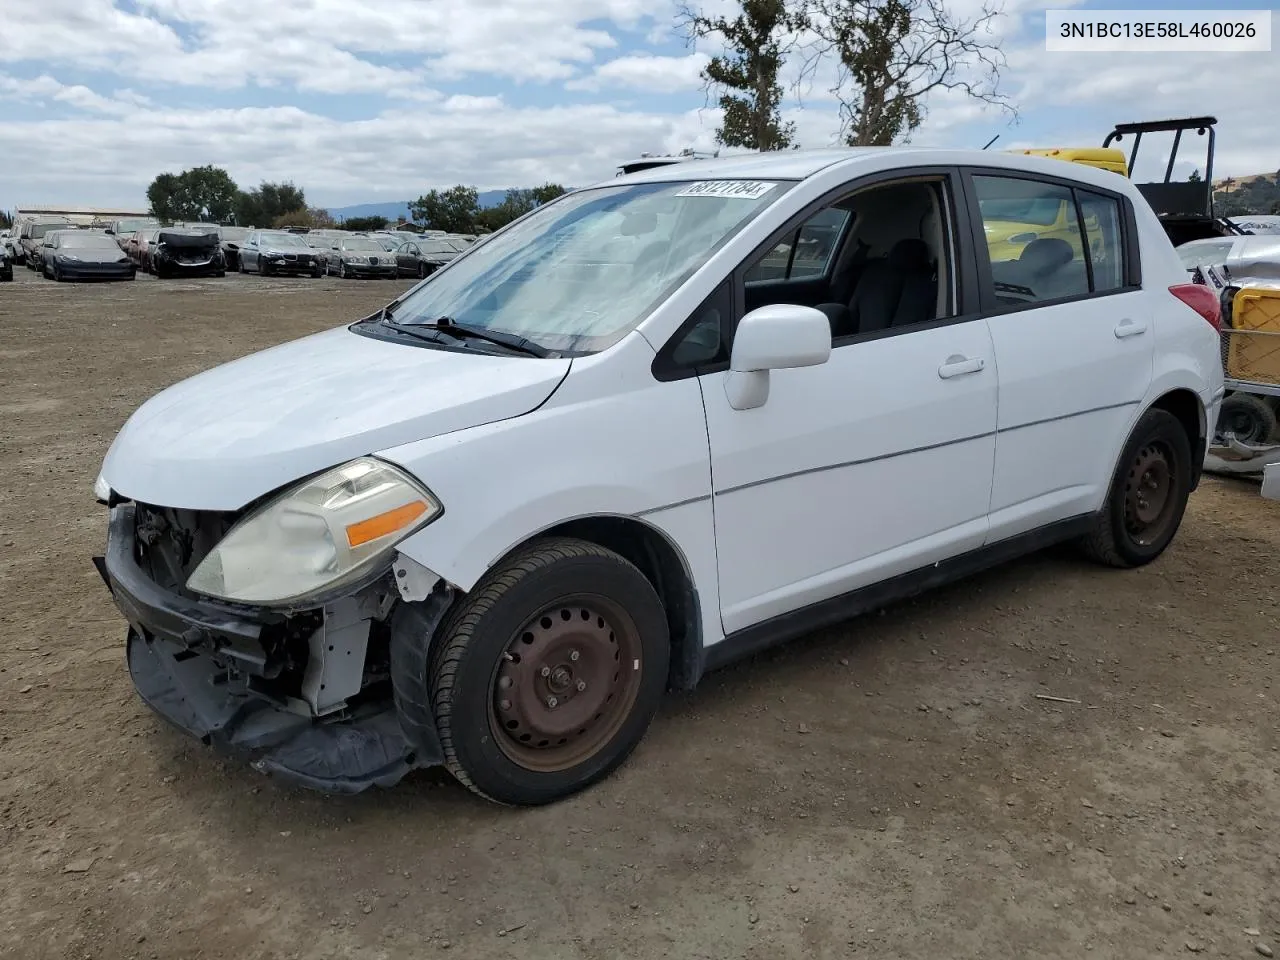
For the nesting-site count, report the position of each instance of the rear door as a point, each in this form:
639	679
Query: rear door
1074	345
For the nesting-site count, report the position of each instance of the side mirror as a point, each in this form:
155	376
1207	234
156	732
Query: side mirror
109	231
779	336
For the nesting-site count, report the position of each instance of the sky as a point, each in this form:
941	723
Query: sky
373	100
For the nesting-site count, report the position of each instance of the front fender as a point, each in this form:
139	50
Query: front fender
605	444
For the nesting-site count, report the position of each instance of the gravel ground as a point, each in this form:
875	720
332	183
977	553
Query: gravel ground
889	788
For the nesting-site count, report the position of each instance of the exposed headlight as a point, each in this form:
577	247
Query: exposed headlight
324	533
353	259
102	489
67	256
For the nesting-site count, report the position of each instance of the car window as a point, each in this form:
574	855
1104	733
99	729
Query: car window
1033	256
813	244
1101	217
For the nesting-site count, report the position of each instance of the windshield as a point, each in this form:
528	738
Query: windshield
38	230
437	246
133	226
578	274
234	233
362	243
387	243
281	240
1041	211
87	241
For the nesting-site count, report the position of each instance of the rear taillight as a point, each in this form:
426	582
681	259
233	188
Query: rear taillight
1200	299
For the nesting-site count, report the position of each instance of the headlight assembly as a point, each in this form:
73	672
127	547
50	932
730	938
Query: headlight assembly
323	534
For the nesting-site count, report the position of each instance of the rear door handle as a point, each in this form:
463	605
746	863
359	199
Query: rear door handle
957	366
1130	328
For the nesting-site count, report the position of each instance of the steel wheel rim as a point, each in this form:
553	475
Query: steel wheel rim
1149	493
1243	425
566	683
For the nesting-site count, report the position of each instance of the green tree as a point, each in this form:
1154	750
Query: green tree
1195	176
264	205
891	55
201	193
365	224
454	210
6	220
746	72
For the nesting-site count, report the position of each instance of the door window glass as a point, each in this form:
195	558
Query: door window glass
1034	243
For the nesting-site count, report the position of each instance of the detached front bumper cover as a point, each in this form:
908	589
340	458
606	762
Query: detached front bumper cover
169	640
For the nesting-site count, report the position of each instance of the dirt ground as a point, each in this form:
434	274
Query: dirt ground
890	788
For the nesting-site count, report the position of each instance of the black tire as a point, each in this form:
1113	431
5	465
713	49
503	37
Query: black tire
524	594
263	269
1125	533
342	271
316	274
56	274
1251	419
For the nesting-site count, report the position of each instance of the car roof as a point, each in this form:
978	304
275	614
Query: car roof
801	164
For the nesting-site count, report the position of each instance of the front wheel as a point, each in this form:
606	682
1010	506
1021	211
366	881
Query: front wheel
547	676
1148	494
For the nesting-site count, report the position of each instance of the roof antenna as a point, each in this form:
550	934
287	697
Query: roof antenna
991	141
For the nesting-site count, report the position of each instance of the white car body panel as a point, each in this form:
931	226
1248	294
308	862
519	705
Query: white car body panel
231	434
859	469
611	441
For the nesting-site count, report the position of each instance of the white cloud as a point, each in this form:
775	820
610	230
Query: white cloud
647	73
466	91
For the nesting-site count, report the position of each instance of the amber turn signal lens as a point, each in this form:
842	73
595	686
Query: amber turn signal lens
385	523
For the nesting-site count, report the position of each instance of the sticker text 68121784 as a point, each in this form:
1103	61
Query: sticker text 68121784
727	189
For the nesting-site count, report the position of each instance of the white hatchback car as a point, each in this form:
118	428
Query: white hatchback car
650	427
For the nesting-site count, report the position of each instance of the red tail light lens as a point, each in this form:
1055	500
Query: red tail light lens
1202	300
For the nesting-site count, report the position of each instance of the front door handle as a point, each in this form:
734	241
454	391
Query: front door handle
1130	328
957	366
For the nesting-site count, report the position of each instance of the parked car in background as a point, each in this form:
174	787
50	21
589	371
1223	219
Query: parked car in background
423	539
144	244
360	257
231	238
421	258
270	252
187	252
1262	224
123	230
385	240
86	255
31	237
1253	256
6	262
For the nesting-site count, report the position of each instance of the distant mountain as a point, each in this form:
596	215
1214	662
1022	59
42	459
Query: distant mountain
399	209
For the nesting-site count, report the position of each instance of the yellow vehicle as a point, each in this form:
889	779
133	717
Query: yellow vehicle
1011	224
1104	158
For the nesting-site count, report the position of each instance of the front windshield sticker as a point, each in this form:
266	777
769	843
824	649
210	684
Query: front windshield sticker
727	189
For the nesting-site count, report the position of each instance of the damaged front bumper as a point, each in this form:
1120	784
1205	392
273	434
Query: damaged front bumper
202	666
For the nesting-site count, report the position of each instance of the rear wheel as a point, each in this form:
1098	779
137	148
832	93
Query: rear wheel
1148	494
1248	418
547	677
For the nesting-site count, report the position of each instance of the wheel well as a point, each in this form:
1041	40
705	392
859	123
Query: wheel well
663	567
1186	406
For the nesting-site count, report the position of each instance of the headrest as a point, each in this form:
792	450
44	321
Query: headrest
1047	253
909	254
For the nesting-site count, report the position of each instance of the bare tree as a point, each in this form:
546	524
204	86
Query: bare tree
892	54
746	73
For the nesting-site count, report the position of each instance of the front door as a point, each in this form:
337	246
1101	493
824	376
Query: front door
879	461
1074	346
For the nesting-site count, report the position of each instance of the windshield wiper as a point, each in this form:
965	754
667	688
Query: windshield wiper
458	331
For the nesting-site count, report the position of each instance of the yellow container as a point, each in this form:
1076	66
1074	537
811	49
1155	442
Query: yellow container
1104	158
1253	349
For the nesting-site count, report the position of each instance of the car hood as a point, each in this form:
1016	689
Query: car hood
234	433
